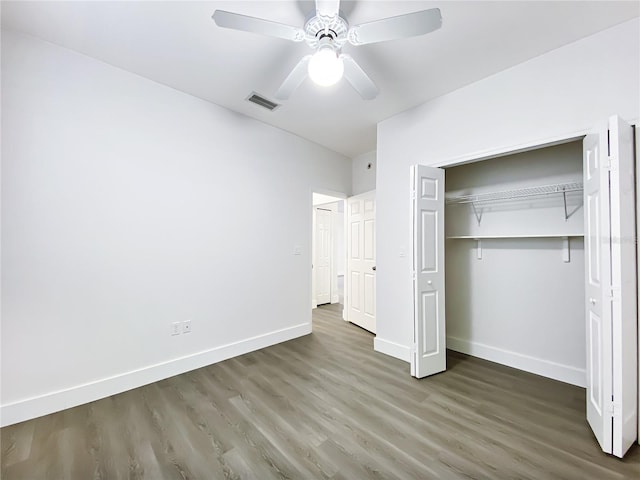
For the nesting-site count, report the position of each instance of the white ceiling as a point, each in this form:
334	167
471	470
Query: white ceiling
179	45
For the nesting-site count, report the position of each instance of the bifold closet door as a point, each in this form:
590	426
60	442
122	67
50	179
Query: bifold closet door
428	353
322	262
610	268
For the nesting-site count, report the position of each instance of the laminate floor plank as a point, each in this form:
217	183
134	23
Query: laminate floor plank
323	406
16	446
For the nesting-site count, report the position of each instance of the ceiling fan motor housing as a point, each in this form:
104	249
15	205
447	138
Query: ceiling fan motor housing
319	28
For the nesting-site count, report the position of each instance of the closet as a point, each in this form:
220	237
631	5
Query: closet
529	260
514	261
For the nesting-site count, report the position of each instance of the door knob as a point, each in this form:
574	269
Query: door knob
373	268
429	282
593	301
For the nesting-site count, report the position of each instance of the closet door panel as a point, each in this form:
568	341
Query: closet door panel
610	272
598	305
623	285
429	349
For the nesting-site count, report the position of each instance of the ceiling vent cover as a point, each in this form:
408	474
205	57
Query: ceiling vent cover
263	102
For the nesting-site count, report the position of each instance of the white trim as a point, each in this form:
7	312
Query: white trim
401	352
557	371
636	132
59	400
340	197
498	237
333	277
412	228
511	149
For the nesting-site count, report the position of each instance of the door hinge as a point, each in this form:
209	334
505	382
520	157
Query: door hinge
613	409
614	293
413	194
611	163
413	274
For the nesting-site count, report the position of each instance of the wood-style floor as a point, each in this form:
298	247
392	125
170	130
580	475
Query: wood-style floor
322	406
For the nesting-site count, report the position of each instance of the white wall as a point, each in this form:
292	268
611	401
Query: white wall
126	206
521	304
562	92
363	173
528	216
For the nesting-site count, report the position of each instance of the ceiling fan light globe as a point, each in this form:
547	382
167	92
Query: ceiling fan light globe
325	67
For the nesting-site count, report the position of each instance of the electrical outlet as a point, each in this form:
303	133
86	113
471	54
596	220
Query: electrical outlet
186	326
175	328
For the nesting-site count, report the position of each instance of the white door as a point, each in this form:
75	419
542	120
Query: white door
322	263
429	354
610	270
361	261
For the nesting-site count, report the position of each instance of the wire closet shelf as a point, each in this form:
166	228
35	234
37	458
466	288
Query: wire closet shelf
481	198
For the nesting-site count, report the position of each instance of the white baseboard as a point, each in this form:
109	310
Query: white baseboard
401	352
59	400
557	371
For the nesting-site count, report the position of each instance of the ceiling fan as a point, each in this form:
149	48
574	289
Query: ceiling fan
327	32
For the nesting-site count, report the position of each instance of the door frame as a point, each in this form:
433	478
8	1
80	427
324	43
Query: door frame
473	158
338	196
548	142
636	132
314	260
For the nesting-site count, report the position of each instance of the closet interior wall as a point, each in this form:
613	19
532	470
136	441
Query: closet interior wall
512	296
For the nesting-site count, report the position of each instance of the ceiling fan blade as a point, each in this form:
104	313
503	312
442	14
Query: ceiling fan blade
327	8
257	25
294	79
359	80
392	28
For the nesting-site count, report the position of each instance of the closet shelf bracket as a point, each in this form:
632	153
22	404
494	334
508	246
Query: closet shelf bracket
476	212
566	253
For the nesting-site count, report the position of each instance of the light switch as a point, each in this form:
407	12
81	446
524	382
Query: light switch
175	328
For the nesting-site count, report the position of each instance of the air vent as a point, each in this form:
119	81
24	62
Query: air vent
263	102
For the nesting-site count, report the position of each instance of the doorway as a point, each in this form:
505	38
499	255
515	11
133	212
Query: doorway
507	217
328	251
343	256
